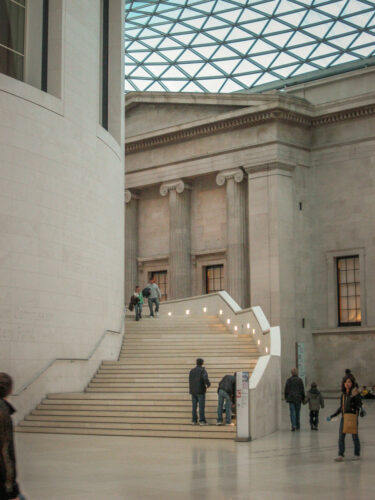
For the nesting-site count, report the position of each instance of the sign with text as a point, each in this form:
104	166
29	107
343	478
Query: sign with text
242	406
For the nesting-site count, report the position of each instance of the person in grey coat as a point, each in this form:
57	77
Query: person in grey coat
315	400
294	395
154	297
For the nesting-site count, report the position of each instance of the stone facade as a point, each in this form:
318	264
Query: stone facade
281	185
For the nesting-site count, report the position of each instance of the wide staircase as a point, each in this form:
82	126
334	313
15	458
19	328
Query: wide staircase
146	392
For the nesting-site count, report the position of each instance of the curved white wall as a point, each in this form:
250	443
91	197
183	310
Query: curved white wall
61	205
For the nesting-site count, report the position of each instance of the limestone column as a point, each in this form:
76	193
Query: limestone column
237	248
179	275
131	243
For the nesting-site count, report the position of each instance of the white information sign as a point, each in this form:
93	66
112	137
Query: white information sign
242	406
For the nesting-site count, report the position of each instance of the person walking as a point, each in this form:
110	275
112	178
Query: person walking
350	406
154	297
294	394
137	302
198	384
226	392
9	489
315	400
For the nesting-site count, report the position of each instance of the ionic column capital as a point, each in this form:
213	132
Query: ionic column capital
178	185
235	173
130	195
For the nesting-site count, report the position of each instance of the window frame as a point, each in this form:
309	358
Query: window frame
222	277
339	283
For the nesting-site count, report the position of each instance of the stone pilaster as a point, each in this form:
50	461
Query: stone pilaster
131	243
237	245
179	238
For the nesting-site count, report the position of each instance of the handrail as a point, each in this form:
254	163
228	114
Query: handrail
50	363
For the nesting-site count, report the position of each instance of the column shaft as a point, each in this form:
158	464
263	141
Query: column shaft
131	247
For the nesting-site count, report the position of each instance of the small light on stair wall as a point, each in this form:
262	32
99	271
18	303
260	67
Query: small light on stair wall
248	326
169	314
228	321
187	311
258	341
221	312
205	309
235	328
266	349
253	331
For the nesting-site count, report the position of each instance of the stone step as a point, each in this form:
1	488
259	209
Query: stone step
161	396
147	412
195	432
166	420
121	404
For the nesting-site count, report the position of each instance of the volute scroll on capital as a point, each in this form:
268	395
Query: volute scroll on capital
130	195
178	185
236	174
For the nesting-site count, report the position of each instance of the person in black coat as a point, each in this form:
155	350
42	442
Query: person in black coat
294	395
198	384
350	402
9	489
226	392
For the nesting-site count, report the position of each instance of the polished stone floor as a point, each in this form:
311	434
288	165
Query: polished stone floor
284	465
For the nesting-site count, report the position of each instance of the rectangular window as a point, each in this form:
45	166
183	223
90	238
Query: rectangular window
348	291
161	278
214	278
12	38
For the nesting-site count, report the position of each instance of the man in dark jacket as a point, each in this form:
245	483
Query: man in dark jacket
226	391
294	395
198	384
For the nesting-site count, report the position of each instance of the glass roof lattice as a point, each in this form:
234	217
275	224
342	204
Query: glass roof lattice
230	45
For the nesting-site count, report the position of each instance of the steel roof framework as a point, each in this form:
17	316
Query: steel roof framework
232	45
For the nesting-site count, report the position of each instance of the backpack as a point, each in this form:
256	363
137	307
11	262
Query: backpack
146	292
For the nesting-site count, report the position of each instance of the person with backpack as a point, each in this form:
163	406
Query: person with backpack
153	294
294	394
227	394
198	384
315	400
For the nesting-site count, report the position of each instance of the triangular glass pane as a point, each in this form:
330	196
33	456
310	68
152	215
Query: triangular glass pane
279	40
219	34
360	20
365	51
188	55
192	69
156	87
140	73
340	29
231	86
293	19
285	72
174	85
231	15
157	69
229	65
213	85
168	43
273	27
266	78
267	7
325	61
323	50
319	30
355	6
173	72
129	68
334	8
345	58
208	70
147	32
343	41
172	55
213	22
364	39
304	68
152	42
137	46
224	52
303	52
205	7
246	67
242	47
155	58
141	84
261	46
206	52
286	6
283	59
184	39
156	20
248	80
256	27
265	60
191	87
132	32
129	87
196	23
298	39
237	34
249	15
180	29
203	40
314	17
221	5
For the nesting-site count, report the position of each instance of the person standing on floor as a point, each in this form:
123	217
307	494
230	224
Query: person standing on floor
198	384
154	297
9	489
316	401
226	392
350	406
294	395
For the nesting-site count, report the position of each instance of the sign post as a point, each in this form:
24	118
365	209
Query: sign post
242	406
